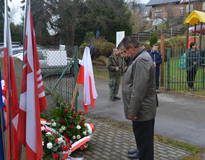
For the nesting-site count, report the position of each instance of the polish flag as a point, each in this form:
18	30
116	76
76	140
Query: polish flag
32	98
86	78
11	101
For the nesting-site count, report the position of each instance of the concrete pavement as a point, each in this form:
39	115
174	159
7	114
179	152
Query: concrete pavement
178	117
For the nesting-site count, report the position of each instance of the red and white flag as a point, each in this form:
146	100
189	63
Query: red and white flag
11	101
32	98
86	77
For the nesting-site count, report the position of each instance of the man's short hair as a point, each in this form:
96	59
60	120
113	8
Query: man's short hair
129	41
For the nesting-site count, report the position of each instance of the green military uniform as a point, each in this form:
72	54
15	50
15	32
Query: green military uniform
116	66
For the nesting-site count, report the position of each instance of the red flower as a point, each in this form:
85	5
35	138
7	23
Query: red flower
62	121
74	116
56	140
72	126
65	148
55	156
67	140
65	134
73	110
66	111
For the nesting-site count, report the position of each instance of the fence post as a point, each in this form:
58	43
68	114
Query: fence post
168	53
162	51
75	72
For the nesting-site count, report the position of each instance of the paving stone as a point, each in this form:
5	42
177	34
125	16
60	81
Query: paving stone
112	143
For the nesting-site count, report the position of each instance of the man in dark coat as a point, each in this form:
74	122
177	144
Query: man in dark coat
193	60
139	97
156	57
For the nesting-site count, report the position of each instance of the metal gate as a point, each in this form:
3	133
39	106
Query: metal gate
178	74
60	74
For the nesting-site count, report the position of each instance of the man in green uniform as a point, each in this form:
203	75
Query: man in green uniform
115	67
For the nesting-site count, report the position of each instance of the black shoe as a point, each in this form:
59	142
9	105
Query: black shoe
133	156
132	151
117	98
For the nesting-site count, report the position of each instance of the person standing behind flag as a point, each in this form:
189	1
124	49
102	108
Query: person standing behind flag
114	66
157	59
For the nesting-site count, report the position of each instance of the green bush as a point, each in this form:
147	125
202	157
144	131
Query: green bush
102	47
153	38
178	41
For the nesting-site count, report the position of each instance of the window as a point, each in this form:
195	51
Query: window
191	8
181	11
203	6
158	14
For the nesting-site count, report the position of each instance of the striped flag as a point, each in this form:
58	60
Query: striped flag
86	78
1	123
11	96
32	98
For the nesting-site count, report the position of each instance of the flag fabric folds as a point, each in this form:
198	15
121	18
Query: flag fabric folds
11	96
86	78
32	98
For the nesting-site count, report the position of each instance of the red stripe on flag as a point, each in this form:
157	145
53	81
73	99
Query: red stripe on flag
80	79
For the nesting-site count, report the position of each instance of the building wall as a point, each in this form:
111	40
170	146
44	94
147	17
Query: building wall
175	10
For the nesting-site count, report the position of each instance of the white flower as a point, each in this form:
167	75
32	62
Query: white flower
43	128
43	122
86	125
74	137
84	133
60	130
48	134
63	128
49	145
78	136
42	143
60	140
52	120
54	124
78	127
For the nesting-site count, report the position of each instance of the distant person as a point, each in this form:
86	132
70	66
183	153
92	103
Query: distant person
157	59
139	97
193	60
114	67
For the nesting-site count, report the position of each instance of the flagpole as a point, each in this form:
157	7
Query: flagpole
74	95
8	76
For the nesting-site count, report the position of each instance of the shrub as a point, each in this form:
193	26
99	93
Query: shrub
102	47
153	38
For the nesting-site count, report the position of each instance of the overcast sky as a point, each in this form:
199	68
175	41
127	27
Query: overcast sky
17	11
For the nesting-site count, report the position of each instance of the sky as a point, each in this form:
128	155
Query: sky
17	11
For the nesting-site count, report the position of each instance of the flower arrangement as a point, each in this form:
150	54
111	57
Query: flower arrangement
55	146
70	123
64	132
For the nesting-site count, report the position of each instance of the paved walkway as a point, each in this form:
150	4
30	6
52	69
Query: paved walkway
178	117
111	143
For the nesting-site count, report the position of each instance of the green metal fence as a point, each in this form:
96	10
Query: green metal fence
176	76
60	70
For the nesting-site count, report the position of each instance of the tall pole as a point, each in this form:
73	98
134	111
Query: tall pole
189	7
8	51
162	51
